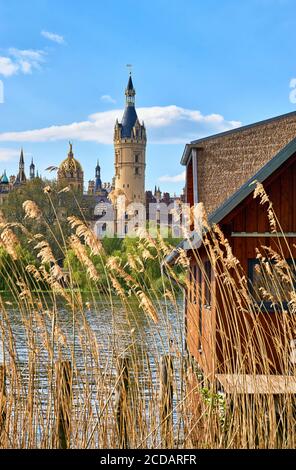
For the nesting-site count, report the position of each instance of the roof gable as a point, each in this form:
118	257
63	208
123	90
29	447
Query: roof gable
247	188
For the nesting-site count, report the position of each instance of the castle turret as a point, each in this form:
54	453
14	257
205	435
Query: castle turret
130	148
32	170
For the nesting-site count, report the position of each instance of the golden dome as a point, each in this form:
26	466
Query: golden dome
70	164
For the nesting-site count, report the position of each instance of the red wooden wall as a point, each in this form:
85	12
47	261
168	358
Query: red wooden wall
249	216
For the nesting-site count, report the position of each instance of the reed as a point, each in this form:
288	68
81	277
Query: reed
46	320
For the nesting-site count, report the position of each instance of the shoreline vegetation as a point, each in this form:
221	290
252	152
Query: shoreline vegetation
120	377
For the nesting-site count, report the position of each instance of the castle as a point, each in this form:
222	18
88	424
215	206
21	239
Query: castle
129	171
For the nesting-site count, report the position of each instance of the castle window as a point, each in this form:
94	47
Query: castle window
137	170
124	185
136	158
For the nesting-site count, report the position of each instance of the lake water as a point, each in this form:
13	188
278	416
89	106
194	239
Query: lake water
121	330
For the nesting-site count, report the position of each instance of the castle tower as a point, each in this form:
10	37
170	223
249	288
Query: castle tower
21	176
70	172
32	170
130	147
91	188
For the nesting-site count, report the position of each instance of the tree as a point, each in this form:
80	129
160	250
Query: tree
55	206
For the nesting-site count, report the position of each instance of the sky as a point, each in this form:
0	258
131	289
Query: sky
199	68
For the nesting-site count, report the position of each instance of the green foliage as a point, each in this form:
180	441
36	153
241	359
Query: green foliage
215	403
111	244
55	208
10	270
147	272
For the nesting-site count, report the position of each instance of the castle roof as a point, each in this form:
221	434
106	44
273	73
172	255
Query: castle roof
70	164
4	179
130	85
130	115
128	121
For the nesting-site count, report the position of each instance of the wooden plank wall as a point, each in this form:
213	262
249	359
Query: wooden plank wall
249	216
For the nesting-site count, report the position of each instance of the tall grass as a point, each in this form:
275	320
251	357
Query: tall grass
46	319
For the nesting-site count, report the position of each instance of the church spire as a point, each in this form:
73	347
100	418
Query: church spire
21	162
21	177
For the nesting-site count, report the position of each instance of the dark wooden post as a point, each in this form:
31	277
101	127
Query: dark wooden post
166	400
2	398
122	402
64	402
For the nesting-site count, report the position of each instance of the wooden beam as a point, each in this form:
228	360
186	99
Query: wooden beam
263	234
257	384
195	176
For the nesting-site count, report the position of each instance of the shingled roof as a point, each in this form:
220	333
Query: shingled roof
128	121
227	160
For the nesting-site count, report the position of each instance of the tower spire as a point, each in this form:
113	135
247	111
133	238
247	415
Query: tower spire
130	92
21	177
70	154
21	162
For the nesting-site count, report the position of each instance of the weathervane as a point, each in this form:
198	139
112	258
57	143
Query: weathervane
129	66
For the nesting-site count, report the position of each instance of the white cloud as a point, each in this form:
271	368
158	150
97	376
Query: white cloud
173	179
108	99
8	154
165	125
53	37
21	61
27	59
8	67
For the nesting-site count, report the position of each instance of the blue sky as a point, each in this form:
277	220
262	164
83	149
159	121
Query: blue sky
198	68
